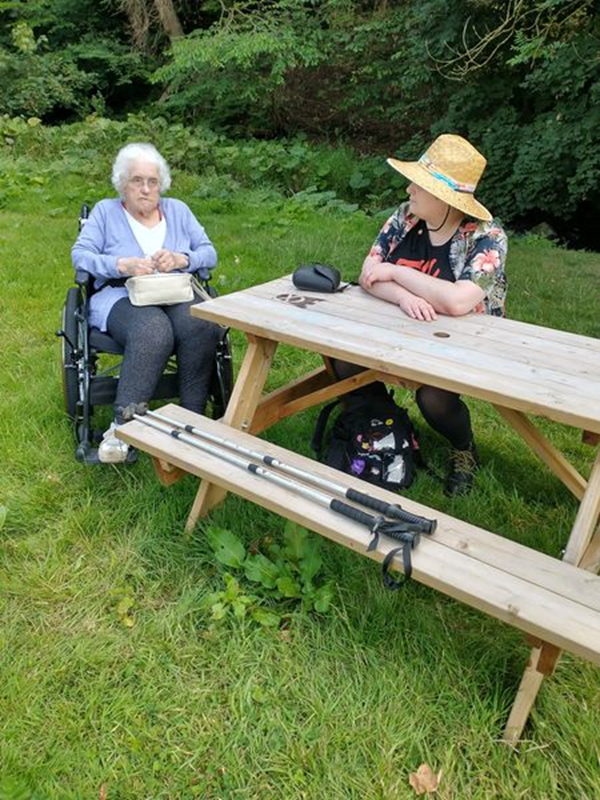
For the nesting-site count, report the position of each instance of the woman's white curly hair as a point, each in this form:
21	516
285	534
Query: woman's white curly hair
139	151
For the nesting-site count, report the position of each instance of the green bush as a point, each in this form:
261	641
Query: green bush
315	175
539	131
67	58
521	81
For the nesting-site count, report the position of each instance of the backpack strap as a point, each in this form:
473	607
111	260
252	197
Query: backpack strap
322	419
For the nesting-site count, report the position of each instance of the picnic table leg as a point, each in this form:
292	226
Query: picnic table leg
319	386
552	457
314	388
582	549
240	411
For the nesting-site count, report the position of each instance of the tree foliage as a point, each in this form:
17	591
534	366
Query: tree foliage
534	109
327	67
62	59
520	78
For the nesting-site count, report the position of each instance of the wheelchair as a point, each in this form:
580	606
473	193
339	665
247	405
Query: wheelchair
89	383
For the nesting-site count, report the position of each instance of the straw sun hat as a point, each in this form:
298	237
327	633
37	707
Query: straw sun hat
449	169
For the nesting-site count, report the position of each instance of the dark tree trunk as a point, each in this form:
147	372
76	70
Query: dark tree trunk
168	18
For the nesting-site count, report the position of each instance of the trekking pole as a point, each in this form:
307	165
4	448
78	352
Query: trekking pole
376	525
395	511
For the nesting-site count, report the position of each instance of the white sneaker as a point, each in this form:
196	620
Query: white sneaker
111	449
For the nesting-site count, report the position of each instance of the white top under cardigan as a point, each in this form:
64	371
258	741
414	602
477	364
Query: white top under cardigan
108	236
149	239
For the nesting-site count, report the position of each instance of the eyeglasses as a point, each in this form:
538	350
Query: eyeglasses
138	182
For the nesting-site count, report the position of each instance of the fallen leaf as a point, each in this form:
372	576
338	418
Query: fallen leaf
103	792
124	605
424	780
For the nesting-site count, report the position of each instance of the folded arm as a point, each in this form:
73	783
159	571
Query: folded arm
412	305
443	297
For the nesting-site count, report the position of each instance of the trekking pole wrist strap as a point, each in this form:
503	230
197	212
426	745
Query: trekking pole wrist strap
388	581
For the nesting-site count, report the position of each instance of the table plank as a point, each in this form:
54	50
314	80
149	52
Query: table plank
435	339
516	341
411	349
515	331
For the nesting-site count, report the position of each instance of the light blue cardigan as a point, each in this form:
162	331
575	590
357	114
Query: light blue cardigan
107	236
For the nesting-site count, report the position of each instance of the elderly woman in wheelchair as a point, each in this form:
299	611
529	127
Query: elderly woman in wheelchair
140	233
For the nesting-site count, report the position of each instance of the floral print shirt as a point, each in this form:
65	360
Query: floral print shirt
477	253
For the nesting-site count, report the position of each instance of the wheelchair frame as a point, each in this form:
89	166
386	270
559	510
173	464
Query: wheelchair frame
85	386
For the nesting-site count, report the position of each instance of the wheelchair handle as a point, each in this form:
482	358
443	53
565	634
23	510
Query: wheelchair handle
83	215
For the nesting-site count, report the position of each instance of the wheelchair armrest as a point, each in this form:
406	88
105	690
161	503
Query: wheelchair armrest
83	278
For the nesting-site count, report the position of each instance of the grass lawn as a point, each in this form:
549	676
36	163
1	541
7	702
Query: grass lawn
162	703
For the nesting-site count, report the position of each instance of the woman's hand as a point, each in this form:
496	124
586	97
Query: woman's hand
375	272
413	306
135	266
167	261
417	307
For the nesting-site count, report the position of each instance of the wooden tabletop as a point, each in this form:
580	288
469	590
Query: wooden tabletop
530	368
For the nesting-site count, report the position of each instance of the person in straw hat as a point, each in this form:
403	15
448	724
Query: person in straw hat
442	253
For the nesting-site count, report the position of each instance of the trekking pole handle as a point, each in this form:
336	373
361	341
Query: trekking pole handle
367	500
390	510
422	523
353	513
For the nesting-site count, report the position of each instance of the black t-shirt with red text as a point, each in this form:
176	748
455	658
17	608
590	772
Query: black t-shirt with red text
415	251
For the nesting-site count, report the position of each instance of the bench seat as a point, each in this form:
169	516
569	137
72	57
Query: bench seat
546	598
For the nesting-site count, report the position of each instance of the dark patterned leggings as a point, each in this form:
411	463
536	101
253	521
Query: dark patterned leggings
149	336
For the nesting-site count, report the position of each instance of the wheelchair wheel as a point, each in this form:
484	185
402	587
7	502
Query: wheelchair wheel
70	343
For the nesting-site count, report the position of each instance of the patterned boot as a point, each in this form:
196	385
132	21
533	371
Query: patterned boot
463	465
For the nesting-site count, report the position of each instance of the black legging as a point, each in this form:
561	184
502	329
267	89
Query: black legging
443	410
149	336
447	414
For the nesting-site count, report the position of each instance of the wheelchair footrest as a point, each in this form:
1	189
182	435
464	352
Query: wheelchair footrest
89	455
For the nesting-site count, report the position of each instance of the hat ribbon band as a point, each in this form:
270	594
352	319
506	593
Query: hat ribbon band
465	188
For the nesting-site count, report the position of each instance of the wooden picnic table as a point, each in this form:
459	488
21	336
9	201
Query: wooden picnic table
521	369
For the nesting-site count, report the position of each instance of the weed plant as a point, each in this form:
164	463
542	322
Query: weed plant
115	681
